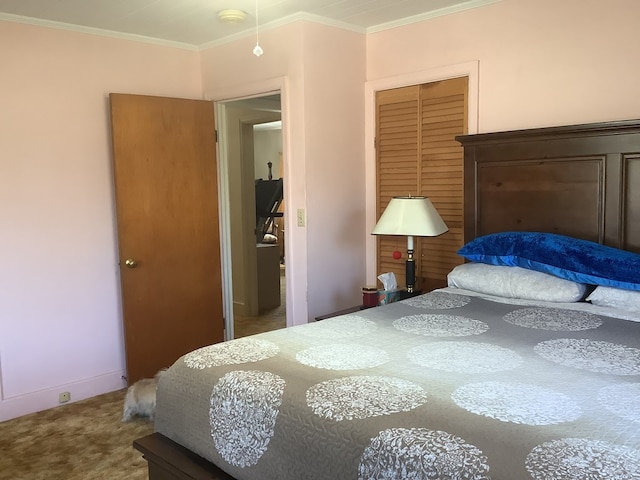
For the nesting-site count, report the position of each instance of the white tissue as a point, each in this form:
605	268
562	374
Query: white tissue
388	281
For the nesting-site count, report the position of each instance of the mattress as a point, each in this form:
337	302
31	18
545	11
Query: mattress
440	386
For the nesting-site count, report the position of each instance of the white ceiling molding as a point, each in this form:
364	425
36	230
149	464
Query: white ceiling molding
364	12
95	31
441	12
300	16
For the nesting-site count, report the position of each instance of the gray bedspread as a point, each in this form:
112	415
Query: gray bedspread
440	386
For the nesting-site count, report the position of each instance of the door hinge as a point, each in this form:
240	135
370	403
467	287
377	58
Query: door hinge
375	142
216	131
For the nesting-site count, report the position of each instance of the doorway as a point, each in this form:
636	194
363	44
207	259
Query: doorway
250	149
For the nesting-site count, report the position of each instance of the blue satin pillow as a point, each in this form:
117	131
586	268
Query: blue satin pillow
565	257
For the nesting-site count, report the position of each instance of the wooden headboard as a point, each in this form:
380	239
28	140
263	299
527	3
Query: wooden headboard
579	180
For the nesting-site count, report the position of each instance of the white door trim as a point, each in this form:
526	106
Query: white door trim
243	92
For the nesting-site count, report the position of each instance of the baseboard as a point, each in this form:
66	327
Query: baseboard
13	407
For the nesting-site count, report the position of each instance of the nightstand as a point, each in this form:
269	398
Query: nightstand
403	296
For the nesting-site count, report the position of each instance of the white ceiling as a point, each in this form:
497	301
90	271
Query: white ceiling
194	23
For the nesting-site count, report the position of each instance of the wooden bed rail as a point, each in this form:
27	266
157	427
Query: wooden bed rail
168	460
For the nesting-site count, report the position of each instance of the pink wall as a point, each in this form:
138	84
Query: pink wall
323	151
542	62
334	141
539	62
60	319
279	69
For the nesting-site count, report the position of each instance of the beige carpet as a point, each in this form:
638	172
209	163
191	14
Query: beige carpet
85	440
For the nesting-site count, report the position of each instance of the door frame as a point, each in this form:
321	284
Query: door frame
219	98
244	115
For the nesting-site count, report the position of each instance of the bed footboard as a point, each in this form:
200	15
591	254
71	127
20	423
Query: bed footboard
169	461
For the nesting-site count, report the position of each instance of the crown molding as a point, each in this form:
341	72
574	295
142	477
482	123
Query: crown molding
94	31
441	12
296	17
250	31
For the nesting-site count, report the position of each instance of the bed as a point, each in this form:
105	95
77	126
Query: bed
508	373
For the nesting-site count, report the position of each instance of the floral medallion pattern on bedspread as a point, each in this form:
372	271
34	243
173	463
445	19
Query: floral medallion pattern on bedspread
440	386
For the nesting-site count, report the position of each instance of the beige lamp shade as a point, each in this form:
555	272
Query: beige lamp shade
412	216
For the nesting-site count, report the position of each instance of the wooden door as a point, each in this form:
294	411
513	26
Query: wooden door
168	234
417	154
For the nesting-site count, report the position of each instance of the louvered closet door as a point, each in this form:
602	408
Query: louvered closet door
417	154
397	142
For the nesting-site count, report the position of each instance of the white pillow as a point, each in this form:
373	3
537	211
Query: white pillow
615	298
515	282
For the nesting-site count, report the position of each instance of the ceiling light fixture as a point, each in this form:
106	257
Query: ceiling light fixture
232	16
257	50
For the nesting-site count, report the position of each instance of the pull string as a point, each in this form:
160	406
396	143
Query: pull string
257	50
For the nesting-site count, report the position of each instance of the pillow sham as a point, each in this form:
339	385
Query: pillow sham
570	258
515	282
616	298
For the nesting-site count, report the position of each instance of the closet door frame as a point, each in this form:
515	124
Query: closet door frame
468	69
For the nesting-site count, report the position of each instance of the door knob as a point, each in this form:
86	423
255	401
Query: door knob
131	263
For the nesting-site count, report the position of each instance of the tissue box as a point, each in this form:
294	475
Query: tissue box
388	296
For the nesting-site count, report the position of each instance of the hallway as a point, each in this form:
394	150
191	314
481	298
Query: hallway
267	321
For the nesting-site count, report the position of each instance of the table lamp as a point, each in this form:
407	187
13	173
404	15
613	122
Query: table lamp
410	216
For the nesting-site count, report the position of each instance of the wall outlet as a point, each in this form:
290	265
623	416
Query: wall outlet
64	397
301	219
